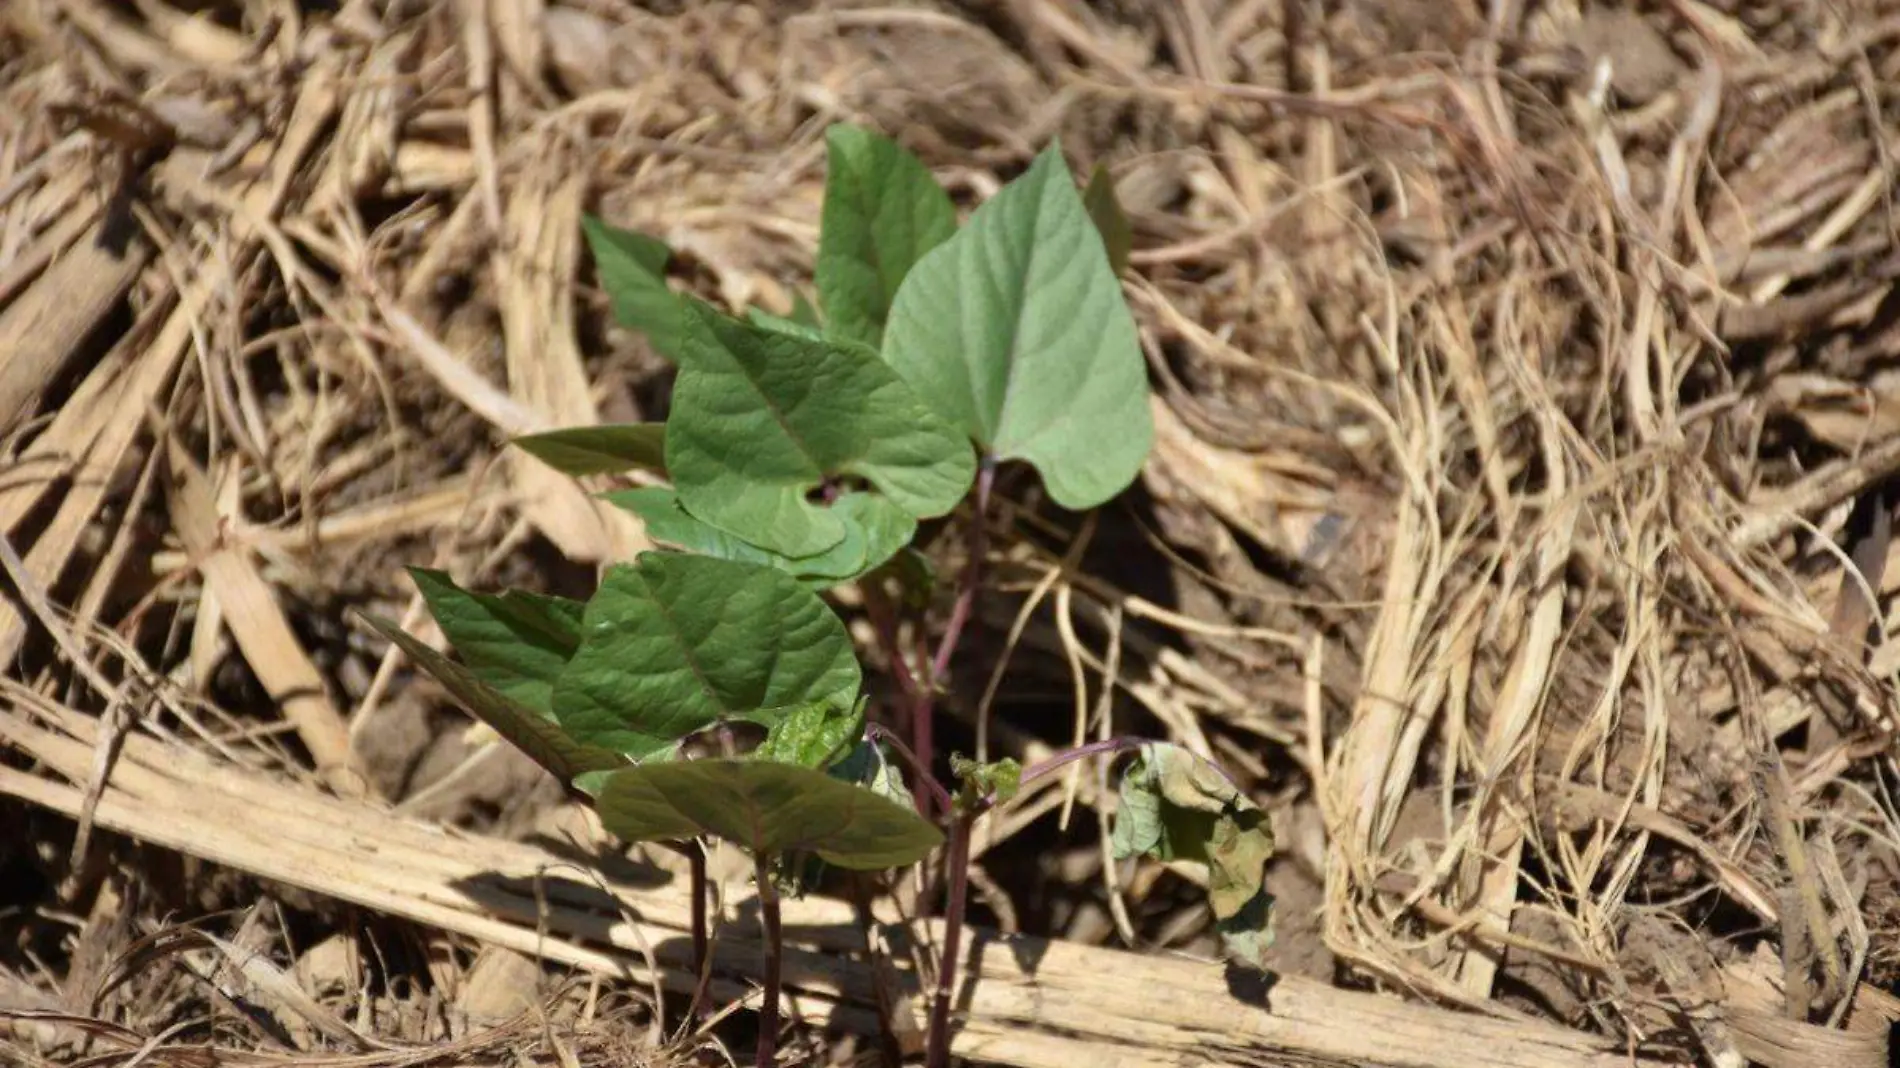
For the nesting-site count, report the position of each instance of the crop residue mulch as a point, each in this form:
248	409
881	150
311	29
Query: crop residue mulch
1528	403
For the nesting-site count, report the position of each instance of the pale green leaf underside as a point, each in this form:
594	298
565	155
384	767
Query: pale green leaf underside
875	529
765	807
540	738
882	212
675	642
1017	330
600	450
761	417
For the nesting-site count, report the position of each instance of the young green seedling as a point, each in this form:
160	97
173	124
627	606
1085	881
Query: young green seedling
800	454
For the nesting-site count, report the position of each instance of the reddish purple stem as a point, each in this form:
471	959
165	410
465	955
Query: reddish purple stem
972	570
959	864
767	1052
1120	744
922	727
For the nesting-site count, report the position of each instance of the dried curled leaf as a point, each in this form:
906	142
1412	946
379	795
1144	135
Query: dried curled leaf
1176	806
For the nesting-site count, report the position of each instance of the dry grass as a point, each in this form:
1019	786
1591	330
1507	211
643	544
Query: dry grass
1519	522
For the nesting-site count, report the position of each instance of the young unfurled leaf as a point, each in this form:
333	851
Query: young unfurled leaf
1016	329
1176	806
765	807
875	529
674	642
883	211
812	736
632	269
760	418
600	450
996	781
1105	210
516	642
529	730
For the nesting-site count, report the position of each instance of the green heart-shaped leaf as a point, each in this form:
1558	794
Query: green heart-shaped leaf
883	211
761	417
1016	329
534	734
600	450
765	807
674	642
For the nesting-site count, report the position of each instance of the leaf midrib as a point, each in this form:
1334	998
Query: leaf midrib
771	406
686	650
1015	337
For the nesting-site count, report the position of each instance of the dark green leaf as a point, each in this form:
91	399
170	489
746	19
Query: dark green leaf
675	642
632	269
760	418
765	807
1016	330
600	450
883	211
517	642
1105	210
541	739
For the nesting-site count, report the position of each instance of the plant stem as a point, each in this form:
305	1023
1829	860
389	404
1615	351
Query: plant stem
877	732
768	1012
959	865
972	570
884	625
921	723
702	948
1120	744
